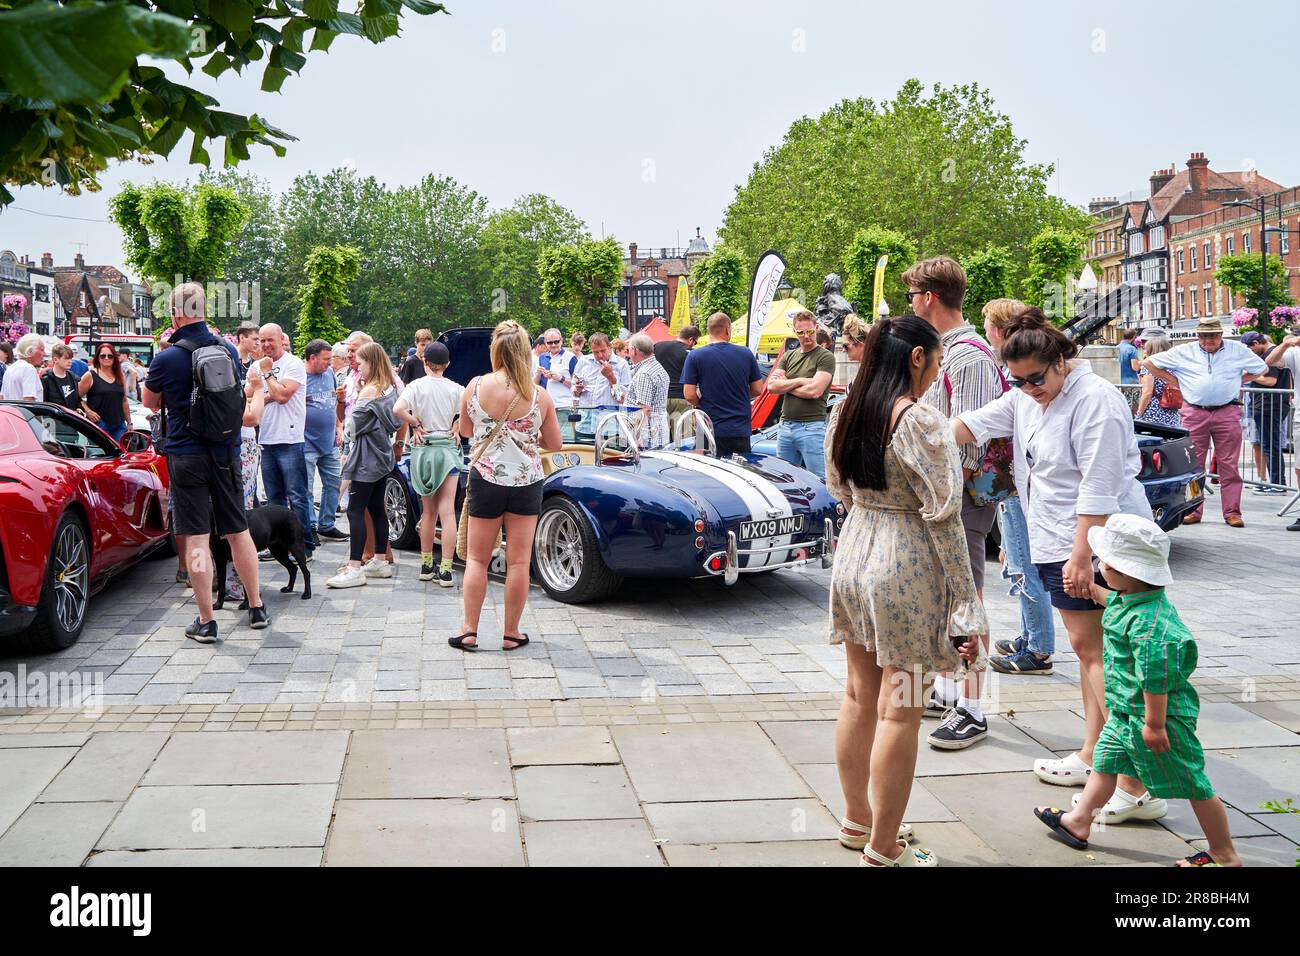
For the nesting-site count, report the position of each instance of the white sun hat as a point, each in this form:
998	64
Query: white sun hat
1133	546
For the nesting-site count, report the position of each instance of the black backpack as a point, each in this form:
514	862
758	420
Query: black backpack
217	401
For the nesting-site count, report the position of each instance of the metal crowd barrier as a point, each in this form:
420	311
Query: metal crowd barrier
1268	459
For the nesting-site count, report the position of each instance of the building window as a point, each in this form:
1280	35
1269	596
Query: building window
1209	304
81	299
1182	303
1232	245
1206	251
649	301
1157	237
1135	246
1193	297
1192	252
41	293
1245	242
1181	270
1284	243
622	302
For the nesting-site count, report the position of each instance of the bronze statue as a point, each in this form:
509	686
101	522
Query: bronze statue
832	307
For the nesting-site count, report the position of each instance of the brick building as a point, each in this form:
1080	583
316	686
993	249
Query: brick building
1197	242
101	294
1148	227
649	288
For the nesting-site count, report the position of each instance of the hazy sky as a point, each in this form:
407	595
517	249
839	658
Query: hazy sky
644	117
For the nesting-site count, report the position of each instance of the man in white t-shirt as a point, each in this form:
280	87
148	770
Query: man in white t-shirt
281	434
22	383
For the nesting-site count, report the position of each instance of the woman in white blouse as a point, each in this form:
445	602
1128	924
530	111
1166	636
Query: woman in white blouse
1076	463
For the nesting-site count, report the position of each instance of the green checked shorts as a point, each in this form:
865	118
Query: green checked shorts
1178	774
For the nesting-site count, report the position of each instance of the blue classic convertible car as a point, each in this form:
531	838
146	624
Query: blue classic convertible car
610	510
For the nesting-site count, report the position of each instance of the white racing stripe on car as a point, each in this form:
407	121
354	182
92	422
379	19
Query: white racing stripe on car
760	496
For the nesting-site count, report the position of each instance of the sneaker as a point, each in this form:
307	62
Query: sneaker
427	571
203	633
1025	662
444	579
1122	807
183	577
265	555
937	707
1294	525
332	534
258	618
378	568
1011	648
315	539
958	731
348	577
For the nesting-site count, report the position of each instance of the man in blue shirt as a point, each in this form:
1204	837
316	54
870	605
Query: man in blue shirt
207	484
721	379
1129	360
324	435
1210	373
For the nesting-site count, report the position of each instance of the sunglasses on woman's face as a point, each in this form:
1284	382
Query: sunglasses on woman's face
1035	380
106	355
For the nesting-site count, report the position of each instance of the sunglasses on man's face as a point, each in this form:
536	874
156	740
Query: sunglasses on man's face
805	333
913	295
554	342
1035	380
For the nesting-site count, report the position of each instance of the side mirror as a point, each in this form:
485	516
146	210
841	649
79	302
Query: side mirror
135	442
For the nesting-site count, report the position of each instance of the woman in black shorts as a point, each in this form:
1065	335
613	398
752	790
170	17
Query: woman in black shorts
505	480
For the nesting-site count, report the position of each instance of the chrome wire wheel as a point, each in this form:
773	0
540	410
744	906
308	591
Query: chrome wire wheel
559	550
71	576
395	507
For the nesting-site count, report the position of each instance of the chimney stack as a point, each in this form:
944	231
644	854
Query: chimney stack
47	261
79	261
632	251
1198	173
1160	178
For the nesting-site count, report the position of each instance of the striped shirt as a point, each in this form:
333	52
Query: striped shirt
968	379
1147	648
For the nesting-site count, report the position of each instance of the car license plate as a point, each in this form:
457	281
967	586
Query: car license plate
772	527
1193	489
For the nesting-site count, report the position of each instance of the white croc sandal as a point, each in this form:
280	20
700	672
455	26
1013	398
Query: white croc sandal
905	832
1123	807
911	856
1069	771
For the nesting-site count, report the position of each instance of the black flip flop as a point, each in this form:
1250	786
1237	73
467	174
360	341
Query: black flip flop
459	642
520	641
1051	816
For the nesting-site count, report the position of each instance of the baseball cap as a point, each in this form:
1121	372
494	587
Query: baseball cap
1250	338
1134	546
435	353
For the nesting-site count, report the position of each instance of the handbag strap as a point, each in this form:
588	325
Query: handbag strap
496	430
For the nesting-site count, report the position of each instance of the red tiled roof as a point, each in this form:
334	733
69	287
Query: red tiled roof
1252	184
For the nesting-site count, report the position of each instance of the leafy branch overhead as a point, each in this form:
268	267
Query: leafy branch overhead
75	94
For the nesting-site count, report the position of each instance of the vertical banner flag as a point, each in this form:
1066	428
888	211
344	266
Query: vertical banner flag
767	276
878	290
681	307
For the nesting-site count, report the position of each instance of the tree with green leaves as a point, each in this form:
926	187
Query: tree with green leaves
988	277
583	279
1243	274
1055	255
942	166
512	244
860	258
331	270
173	234
75	94
721	284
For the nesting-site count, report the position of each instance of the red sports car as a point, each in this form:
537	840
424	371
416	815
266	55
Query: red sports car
76	509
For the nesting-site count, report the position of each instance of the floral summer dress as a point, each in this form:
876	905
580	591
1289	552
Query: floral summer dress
514	458
1154	413
902	584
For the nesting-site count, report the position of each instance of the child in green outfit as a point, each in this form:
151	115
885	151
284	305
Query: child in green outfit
1148	657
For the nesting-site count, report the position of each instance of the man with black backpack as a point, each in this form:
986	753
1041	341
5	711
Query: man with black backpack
199	385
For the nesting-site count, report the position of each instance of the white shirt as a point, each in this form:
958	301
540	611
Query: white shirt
434	400
1077	456
22	381
1210	379
284	424
596	389
559	389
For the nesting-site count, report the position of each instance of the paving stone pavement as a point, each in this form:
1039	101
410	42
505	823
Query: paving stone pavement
682	725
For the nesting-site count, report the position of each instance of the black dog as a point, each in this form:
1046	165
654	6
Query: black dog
274	527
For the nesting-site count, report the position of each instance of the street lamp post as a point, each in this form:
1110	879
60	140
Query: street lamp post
1262	318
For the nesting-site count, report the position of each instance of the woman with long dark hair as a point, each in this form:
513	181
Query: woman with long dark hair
902	593
104	390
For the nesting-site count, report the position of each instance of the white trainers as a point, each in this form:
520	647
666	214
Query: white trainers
1122	807
348	577
377	568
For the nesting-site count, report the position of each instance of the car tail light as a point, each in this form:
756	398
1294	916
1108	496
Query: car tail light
717	563
699	526
699	543
801	554
1157	461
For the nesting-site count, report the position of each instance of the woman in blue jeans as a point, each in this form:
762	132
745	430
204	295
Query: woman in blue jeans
1031	651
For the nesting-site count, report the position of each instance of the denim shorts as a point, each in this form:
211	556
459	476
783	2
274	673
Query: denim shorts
1050	575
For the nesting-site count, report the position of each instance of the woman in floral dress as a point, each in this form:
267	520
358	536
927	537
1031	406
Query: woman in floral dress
1149	408
902	594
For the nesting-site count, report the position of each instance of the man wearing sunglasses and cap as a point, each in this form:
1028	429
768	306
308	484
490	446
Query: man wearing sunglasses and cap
1210	373
803	376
